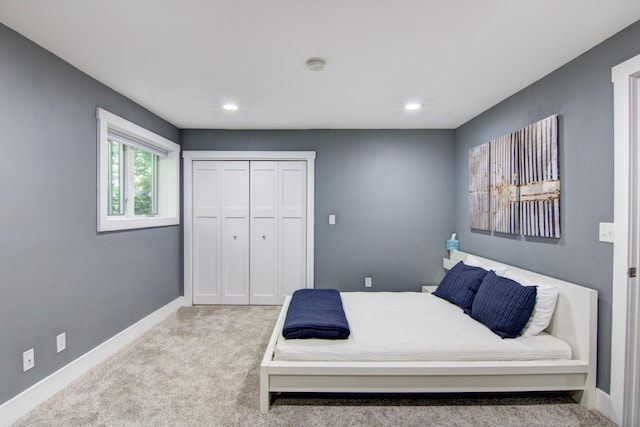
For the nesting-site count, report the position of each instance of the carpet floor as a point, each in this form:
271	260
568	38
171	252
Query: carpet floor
200	366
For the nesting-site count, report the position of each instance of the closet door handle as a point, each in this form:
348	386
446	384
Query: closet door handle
235	237
264	237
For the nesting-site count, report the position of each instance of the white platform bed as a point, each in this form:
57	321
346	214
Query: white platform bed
574	322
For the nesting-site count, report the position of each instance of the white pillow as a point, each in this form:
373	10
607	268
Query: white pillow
475	262
546	297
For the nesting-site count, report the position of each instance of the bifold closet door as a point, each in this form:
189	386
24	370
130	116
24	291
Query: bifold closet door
220	232
278	194
264	232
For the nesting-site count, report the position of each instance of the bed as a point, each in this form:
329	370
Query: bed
331	369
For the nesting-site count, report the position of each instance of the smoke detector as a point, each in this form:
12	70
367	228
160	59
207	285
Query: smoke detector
316	64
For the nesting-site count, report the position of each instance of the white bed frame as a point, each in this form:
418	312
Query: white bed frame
574	321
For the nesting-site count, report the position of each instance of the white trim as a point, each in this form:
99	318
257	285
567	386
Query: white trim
604	404
168	177
622	76
20	405
249	155
187	171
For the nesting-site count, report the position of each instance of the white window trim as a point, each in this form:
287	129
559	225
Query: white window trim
168	177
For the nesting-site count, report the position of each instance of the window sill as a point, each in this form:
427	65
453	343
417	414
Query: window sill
116	224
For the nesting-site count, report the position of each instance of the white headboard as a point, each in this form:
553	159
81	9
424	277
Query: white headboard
575	318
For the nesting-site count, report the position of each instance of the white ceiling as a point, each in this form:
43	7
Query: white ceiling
182	59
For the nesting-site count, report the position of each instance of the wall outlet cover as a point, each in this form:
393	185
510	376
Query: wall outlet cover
28	360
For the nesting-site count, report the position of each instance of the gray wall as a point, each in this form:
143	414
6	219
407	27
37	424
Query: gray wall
581	92
391	192
56	273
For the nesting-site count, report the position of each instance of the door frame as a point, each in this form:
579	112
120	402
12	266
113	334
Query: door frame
187	175
624	388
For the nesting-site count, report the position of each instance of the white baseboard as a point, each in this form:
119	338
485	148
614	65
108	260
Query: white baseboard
605	406
20	405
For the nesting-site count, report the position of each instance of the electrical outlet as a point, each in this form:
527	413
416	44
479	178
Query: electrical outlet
61	342
28	360
367	282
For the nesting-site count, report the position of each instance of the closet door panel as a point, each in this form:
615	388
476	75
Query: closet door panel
264	189
205	272
264	272
292	224
235	189
206	191
292	256
234	260
234	263
264	232
293	185
206	232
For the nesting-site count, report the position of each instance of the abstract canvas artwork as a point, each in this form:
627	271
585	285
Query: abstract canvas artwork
540	179
479	187
504	191
514	182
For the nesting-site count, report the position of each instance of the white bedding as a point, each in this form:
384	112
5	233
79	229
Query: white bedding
411	326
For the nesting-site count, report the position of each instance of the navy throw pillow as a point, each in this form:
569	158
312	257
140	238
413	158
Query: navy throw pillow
460	285
503	305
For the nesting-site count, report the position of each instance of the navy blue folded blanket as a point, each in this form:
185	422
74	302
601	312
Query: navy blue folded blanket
316	313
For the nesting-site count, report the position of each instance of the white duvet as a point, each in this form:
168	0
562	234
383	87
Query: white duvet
411	326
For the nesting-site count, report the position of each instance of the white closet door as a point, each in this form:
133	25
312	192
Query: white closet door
264	232
278	229
206	232
221	232
234	264
293	226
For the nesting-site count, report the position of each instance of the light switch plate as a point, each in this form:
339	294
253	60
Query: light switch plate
61	342
332	220
606	232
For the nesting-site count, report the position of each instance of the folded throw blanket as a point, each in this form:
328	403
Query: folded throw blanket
316	313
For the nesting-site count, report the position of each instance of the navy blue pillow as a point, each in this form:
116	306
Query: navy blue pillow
503	305
460	285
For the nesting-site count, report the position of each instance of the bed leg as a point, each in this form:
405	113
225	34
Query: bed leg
265	396
587	397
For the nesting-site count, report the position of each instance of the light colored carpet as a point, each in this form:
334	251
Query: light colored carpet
200	368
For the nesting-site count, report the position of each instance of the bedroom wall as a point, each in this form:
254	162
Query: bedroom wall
56	273
391	192
581	92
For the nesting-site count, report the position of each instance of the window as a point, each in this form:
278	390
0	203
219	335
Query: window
138	176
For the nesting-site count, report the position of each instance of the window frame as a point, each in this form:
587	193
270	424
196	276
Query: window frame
168	177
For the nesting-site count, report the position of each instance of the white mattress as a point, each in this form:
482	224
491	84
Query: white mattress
412	326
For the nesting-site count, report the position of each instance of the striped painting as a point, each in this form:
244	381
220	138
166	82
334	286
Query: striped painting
540	179
504	191
479	187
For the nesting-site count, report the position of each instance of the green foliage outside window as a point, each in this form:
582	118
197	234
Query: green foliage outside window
144	179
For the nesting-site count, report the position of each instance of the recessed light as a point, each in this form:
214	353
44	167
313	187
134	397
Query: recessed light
230	107
412	106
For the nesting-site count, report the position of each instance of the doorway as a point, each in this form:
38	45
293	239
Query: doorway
625	357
